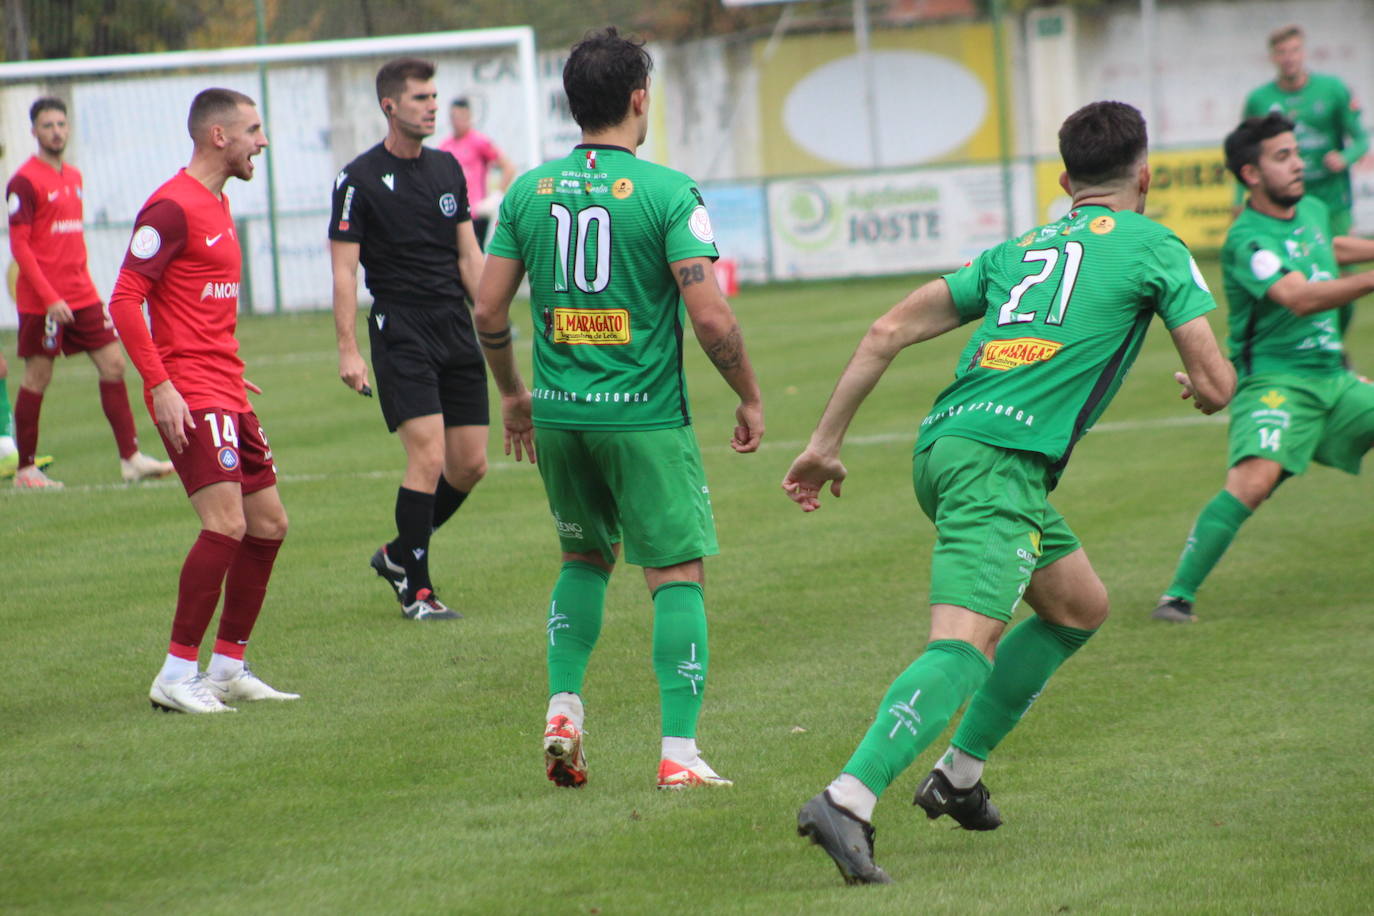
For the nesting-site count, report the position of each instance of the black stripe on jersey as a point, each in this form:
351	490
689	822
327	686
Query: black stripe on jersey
1247	345
1104	381
681	381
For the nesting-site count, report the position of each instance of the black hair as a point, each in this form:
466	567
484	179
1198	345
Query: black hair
1101	142
1242	145
603	69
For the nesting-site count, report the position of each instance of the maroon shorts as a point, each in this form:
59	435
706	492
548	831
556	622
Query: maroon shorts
91	329
224	446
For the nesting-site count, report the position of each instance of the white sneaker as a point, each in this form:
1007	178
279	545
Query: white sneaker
31	478
190	694
246	686
143	467
674	775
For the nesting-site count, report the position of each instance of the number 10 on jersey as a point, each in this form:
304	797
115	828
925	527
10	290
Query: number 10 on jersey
563	219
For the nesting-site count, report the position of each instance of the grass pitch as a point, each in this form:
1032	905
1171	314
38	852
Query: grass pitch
1221	767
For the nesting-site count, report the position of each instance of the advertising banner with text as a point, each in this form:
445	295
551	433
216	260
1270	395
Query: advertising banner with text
893	222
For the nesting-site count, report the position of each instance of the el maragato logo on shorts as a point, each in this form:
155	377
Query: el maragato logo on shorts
1019	351
600	327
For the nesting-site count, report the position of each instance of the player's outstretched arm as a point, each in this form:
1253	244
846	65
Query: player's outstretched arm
1209	378
1351	249
500	280
1302	296
713	321
927	312
343	262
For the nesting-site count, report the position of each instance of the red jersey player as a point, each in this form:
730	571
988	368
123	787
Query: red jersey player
184	259
59	308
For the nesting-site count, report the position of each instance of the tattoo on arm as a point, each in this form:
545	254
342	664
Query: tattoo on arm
727	354
495	340
690	274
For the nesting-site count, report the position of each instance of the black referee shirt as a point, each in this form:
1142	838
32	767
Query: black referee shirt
404	214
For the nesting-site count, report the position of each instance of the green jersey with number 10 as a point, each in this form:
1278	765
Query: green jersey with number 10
597	231
1064	310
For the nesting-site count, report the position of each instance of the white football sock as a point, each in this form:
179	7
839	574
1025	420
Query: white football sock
566	704
852	795
680	750
223	667
963	770
177	669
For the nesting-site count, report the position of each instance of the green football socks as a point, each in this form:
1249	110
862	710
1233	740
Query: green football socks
6	412
918	706
680	656
1212	534
576	609
1026	658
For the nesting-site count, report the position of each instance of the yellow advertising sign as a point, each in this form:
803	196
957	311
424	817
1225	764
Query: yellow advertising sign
935	97
1190	192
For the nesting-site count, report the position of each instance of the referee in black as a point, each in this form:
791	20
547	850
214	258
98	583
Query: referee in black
400	209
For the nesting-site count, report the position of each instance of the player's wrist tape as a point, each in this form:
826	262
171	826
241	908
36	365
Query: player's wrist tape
495	340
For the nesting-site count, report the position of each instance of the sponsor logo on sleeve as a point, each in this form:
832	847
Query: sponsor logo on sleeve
1019	351
1197	275
1264	264
14	204
338	182
598	327
145	243
700	224
448	205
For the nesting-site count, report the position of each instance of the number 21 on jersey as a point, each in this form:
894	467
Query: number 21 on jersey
1048	258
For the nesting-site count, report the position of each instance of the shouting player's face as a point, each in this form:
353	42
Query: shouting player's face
244	139
50	130
413	114
1287	56
1280	170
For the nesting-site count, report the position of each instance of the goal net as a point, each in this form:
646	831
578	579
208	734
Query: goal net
128	135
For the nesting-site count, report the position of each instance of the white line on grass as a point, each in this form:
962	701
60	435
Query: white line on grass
1119	426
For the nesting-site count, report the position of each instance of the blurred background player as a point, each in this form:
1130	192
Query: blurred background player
400	210
1063	311
1296	403
1326	118
609	412
184	259
59	308
476	153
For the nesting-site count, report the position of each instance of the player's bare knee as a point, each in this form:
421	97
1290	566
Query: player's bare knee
467	473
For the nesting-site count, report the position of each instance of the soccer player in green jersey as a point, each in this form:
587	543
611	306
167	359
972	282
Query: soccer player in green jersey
614	248
1326	117
1061	312
1296	402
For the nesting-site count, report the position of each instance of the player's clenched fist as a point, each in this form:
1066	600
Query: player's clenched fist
808	474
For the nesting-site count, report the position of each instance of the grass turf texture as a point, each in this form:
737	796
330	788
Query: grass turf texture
1211	768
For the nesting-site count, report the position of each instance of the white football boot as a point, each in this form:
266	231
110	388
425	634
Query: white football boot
139	466
247	686
190	694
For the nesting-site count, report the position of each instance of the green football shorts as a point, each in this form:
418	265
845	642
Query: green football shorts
994	525
1296	419
647	486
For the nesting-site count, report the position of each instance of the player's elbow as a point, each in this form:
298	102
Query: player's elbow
886	336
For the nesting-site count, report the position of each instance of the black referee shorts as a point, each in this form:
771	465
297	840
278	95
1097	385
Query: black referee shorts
425	361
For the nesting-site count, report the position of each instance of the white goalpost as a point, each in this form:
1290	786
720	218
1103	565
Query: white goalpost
128	135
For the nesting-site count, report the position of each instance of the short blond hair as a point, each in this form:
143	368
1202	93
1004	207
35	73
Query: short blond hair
1279	36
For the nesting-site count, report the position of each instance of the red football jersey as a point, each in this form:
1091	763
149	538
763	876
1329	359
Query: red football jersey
184	259
46	239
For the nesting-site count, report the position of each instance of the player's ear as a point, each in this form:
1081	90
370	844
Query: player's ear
639	101
1064	183
1249	174
1144	177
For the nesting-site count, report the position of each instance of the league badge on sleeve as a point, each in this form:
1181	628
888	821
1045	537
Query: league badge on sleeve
700	224
448	205
145	242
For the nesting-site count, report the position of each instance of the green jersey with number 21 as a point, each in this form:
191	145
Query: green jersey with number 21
597	231
1064	310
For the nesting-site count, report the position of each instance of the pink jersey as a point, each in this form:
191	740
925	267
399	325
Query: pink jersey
184	259
474	153
46	239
